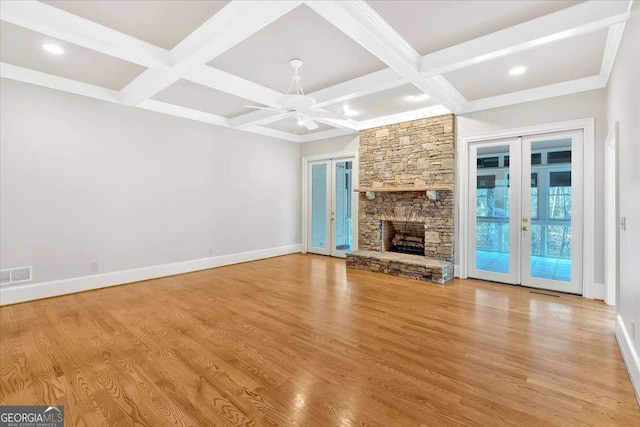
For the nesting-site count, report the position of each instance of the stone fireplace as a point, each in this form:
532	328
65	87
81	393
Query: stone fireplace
406	200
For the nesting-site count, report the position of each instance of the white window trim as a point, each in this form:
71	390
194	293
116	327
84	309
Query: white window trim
587	125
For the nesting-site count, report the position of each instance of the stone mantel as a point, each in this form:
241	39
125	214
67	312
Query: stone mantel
392	189
430	192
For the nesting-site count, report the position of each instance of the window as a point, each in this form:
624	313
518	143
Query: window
536	158
486	181
487	162
491	200
560	179
559	202
534	196
559	157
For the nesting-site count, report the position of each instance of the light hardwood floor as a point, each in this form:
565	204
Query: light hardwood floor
298	340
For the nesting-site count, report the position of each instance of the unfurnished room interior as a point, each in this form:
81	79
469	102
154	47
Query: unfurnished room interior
320	213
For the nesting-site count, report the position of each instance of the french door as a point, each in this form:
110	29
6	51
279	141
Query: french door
330	209
525	216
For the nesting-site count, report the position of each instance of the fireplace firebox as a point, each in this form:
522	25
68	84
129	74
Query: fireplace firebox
402	236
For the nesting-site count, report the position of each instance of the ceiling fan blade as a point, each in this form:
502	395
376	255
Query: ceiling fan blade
327	115
263	108
308	123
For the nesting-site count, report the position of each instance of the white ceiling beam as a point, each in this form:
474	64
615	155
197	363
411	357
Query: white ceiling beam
361	86
51	81
256	118
360	22
187	113
447	88
200	116
614	37
235	22
350	125
62	25
146	85
274	133
325	134
534	94
232	24
231	84
566	23
421	113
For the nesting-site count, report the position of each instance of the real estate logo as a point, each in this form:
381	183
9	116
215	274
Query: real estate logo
31	416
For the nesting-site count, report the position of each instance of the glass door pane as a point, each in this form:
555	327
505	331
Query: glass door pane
319	208
549	214
492	222
342	211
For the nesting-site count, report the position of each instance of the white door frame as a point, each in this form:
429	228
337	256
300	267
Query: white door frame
328	208
333	223
576	285
512	277
588	206
611	230
306	160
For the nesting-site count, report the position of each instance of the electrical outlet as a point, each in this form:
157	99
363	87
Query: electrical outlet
94	267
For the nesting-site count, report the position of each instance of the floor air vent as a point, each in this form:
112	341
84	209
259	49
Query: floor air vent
544	293
15	275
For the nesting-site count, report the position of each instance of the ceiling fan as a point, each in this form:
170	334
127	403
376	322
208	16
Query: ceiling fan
298	106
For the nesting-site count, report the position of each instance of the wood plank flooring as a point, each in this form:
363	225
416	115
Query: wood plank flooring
298	340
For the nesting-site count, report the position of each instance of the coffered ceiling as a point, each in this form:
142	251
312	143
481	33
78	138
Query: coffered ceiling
384	103
330	57
163	23
378	62
433	25
23	47
202	98
565	60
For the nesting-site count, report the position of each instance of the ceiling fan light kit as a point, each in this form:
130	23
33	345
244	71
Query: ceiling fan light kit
299	106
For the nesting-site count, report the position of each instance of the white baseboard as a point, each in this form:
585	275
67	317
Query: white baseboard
629	354
598	291
33	291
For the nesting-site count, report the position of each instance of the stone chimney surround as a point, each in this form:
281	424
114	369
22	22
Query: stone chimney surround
407	175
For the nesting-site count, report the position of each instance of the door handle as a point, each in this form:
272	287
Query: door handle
524	228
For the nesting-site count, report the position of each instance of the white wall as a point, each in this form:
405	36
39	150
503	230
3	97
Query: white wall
340	144
623	106
563	108
87	181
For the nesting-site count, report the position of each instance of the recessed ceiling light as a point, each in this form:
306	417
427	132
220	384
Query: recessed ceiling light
417	98
348	111
516	71
53	48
